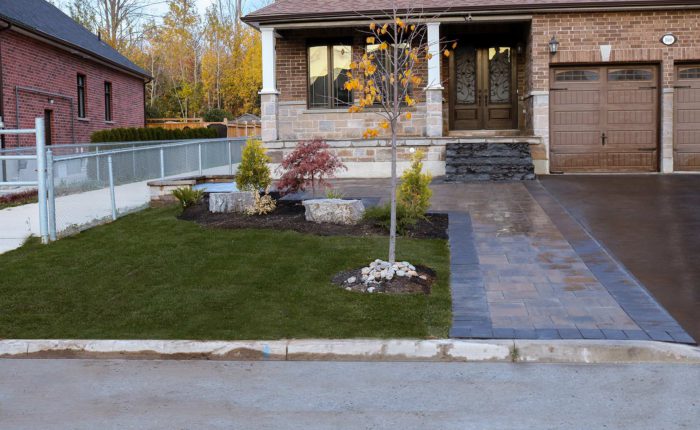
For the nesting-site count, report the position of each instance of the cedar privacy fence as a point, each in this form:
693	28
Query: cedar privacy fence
105	174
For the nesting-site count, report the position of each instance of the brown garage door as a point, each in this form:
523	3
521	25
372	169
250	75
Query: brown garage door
604	119
687	118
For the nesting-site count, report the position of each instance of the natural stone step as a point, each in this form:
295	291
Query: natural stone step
485	161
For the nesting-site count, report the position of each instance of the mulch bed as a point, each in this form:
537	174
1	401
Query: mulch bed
398	285
289	215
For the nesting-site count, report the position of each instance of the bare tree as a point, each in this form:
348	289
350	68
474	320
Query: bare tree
385	77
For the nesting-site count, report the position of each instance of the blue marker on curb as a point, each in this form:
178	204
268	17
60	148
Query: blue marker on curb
266	352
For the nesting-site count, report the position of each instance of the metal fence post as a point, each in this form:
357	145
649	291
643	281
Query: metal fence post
230	161
162	163
52	195
41	179
97	162
199	151
111	188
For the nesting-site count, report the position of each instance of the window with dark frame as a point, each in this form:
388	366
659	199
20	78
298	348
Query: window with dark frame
327	68
81	96
108	101
383	57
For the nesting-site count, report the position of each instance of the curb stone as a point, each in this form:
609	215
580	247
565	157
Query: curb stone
441	350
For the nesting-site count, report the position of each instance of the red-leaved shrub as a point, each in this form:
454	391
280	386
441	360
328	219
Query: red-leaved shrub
311	163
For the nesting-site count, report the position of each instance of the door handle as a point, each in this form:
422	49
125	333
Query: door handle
603	138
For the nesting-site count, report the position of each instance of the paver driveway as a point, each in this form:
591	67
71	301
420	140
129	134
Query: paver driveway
651	223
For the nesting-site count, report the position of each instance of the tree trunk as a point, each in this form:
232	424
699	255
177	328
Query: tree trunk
394	119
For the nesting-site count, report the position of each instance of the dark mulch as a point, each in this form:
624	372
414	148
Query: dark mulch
398	285
289	215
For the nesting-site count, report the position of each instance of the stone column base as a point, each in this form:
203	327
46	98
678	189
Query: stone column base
269	116
433	105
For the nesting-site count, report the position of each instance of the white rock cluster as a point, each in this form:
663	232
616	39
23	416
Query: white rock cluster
380	270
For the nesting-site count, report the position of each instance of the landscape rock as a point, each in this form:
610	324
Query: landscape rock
334	211
236	202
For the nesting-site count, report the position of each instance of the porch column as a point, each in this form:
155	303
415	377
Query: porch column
433	92
268	95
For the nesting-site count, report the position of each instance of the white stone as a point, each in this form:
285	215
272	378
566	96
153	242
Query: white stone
334	211
351	280
230	202
400	273
412	273
365	270
370	289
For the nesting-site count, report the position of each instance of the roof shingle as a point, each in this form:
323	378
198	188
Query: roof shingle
41	17
282	9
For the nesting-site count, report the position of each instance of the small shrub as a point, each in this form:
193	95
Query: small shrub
414	193
253	172
334	194
381	216
309	164
262	205
188	196
216	115
151	133
18	199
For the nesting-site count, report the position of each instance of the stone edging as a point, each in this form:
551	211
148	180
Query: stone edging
442	350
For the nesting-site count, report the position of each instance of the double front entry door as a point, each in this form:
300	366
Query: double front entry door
483	89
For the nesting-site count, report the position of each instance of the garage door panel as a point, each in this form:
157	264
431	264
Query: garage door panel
630	116
631	160
687	118
630	96
576	97
577	138
636	138
580	162
604	119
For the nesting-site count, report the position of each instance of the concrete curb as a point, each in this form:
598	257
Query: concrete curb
443	350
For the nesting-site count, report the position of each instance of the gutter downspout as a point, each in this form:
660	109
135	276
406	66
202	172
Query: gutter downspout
2	107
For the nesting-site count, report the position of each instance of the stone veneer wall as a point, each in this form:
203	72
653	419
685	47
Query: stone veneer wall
633	36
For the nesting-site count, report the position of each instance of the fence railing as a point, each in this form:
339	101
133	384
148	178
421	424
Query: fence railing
46	201
80	168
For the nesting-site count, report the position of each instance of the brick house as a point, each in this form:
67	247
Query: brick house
52	67
582	85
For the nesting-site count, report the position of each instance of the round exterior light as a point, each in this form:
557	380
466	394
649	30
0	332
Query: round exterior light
668	39
553	45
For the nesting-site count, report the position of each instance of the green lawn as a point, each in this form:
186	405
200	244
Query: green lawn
150	275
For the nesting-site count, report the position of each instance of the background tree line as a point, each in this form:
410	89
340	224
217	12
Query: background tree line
202	65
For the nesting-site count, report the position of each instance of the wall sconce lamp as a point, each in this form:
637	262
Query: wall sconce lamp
50	101
553	45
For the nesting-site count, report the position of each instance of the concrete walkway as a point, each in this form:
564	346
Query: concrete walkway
114	394
77	212
73	212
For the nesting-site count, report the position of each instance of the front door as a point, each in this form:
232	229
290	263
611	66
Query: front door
483	88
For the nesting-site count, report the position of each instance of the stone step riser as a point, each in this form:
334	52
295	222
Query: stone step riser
483	161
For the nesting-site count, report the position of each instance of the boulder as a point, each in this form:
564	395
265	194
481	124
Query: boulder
230	202
334	211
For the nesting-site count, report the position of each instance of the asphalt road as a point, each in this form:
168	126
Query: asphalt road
651	223
118	394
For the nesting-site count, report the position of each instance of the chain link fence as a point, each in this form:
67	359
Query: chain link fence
94	182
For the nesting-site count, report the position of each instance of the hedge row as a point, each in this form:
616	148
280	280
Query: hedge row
156	133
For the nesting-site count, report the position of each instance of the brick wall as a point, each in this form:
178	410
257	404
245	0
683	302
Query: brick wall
634	37
27	62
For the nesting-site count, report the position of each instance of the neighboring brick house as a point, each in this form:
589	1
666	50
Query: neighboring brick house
588	85
52	67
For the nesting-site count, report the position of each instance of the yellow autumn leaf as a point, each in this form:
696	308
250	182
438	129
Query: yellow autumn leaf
454	45
384	124
384	46
372	26
370	40
447	53
408	115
